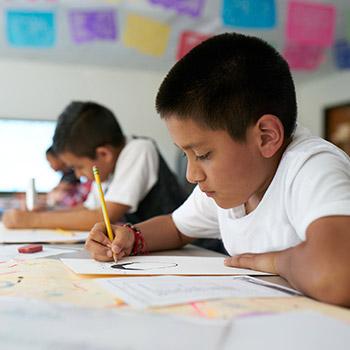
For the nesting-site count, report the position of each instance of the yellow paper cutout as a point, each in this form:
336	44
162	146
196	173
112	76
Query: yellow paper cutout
146	35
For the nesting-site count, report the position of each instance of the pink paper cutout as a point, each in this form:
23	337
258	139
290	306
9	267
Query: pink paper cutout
310	23
188	40
303	57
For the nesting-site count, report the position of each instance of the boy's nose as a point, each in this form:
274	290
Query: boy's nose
194	173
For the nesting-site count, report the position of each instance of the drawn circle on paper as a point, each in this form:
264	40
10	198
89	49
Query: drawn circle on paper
143	266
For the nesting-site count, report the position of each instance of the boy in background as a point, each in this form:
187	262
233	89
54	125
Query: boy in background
135	178
70	191
277	196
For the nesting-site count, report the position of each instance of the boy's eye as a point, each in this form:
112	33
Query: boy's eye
203	157
184	154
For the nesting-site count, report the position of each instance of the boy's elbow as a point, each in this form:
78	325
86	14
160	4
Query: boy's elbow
183	240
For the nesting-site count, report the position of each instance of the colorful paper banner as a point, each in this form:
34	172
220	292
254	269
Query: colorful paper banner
310	23
188	40
249	13
193	8
87	25
146	35
303	57
30	29
342	54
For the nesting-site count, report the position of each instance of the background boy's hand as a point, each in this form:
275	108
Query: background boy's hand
260	262
102	249
16	218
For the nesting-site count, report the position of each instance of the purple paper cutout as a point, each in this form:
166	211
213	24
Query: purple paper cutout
188	7
342	54
92	25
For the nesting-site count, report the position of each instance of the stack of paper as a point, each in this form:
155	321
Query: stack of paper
143	292
158	265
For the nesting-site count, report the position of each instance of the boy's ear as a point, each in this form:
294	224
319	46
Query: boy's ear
104	154
270	135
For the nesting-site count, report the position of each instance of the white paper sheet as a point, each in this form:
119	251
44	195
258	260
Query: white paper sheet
8	252
297	330
40	236
32	325
158	265
143	292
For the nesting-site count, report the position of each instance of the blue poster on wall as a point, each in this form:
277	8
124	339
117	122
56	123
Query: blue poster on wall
342	54
30	29
249	13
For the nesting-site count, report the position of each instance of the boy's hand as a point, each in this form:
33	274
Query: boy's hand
102	249
261	262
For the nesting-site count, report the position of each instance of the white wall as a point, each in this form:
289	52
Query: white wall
41	90
314	96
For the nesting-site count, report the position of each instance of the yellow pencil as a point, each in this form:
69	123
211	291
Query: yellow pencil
103	203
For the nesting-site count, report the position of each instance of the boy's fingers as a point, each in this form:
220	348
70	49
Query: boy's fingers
121	255
100	226
262	262
122	241
92	244
101	253
97	234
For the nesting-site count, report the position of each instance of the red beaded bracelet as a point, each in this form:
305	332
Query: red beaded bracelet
139	246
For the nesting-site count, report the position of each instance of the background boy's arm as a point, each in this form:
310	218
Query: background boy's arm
319	267
78	219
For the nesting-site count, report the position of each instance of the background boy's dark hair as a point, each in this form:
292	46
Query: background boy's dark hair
228	82
84	126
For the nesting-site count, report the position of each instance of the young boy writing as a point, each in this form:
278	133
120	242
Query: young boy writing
136	180
278	197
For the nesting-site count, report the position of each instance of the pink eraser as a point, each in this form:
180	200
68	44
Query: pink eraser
30	248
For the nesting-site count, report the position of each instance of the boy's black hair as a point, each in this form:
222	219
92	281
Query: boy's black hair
84	126
228	82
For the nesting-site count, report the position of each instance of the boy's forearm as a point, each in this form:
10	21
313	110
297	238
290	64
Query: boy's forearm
160	233
317	270
319	266
82	219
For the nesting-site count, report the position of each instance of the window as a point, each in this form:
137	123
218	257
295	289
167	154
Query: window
23	143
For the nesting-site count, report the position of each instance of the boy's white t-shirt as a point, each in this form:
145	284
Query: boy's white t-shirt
135	173
312	181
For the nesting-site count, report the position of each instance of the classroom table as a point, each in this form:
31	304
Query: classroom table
214	309
49	280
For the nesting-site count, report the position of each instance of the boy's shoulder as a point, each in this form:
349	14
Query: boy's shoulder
138	150
311	152
305	145
139	144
